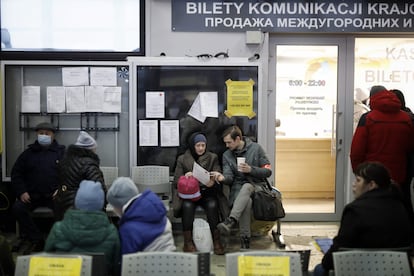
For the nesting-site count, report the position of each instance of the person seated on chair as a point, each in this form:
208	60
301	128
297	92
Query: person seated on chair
34	180
242	180
376	218
143	224
79	163
86	228
210	192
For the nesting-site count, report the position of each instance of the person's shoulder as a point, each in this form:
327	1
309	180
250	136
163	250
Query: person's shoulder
57	146
212	154
228	153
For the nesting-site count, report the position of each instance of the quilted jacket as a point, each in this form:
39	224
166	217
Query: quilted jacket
77	165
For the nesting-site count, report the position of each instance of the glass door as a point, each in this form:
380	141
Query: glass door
307	117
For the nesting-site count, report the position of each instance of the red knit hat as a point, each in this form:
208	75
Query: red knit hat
188	188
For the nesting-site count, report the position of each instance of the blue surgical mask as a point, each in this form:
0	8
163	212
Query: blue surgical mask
44	140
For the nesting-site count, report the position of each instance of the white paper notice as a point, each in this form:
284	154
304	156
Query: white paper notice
75	99
112	99
56	99
105	76
155	104
209	104
75	76
170	133
31	99
195	110
148	133
201	174
94	98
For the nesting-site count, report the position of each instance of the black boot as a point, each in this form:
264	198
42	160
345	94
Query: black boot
244	242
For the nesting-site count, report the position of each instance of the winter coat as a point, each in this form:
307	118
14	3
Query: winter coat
359	109
86	231
385	134
36	169
144	225
77	165
376	219
255	157
208	161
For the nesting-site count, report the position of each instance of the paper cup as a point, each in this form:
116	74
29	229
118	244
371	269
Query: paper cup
240	160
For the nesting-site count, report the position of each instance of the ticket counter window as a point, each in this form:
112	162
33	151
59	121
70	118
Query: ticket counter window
306	97
385	61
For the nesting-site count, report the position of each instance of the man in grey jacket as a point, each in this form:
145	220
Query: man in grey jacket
242	179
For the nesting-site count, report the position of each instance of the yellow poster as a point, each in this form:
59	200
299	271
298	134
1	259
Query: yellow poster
240	98
264	265
55	266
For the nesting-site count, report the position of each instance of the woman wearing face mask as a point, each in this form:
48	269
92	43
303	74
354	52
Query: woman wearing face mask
34	179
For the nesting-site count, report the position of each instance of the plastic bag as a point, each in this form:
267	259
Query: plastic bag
202	235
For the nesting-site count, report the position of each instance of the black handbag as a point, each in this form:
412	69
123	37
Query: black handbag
267	203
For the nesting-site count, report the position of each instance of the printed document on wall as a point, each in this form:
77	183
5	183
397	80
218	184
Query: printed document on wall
75	76
75	99
195	110
209	104
155	104
112	99
56	99
31	99
170	133
94	98
104	76
148	133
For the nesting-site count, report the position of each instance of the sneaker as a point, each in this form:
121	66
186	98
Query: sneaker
278	239
226	226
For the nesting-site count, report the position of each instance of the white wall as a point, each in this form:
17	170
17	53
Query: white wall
160	38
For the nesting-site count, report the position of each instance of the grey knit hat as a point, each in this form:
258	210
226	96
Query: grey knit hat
90	196
85	141
121	191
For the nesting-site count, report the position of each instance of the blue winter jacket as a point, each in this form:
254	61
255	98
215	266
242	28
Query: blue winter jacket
143	221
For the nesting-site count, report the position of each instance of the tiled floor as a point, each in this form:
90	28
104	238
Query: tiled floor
297	236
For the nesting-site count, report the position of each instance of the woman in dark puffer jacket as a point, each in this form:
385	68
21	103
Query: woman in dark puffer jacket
79	163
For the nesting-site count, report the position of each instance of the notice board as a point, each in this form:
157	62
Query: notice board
168	97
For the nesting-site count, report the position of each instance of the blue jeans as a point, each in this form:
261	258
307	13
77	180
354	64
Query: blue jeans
320	271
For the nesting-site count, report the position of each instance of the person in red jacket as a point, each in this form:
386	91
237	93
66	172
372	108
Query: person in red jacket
385	134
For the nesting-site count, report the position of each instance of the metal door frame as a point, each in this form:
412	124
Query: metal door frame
343	119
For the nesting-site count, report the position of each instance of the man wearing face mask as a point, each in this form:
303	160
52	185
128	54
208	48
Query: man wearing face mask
34	179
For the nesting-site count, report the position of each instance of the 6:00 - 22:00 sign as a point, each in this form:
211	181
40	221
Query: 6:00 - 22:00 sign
307	83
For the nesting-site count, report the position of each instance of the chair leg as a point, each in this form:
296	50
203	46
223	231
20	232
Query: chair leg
278	237
17	229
